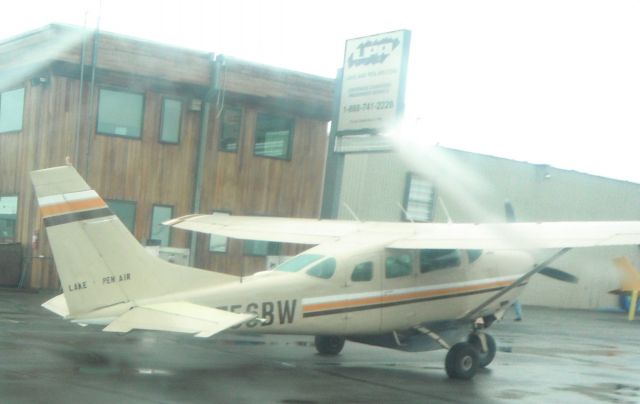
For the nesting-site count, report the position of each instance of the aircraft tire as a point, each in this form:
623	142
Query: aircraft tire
484	358
462	361
329	345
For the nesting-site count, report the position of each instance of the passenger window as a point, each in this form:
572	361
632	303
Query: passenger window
432	260
397	266
362	272
324	269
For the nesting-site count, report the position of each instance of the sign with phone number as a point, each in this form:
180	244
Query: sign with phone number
374	74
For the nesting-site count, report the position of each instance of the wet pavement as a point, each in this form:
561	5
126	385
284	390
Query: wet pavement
552	356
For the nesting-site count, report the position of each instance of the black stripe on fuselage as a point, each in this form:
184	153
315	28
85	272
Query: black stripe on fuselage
399	303
77	216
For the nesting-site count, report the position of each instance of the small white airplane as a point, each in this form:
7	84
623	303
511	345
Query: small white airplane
405	286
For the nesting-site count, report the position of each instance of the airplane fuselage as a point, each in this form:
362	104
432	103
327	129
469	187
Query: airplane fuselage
383	301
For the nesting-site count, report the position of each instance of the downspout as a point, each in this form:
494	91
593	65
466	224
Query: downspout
334	168
90	112
202	149
79	109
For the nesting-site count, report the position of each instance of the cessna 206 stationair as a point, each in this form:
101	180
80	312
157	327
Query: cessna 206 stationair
404	286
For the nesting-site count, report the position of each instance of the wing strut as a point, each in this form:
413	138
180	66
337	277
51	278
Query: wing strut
474	313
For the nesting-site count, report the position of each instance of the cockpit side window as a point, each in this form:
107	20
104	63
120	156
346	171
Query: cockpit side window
432	260
324	269
362	272
398	265
298	262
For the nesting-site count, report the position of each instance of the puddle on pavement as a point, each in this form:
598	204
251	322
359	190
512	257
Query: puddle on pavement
604	351
607	392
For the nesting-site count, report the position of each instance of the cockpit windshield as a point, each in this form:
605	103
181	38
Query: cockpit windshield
298	262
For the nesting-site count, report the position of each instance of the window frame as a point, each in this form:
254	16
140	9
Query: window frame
135	212
240	129
15	229
270	245
169	228
292	124
226	245
143	106
407	194
162	115
24	96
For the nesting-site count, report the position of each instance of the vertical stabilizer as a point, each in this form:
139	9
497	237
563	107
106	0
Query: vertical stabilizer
99	262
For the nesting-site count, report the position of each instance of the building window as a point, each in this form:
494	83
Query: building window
419	197
11	110
160	234
8	218
261	248
120	113
218	244
171	120
126	212
273	136
230	129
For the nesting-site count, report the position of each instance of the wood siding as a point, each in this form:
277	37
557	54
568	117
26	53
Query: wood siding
145	170
245	184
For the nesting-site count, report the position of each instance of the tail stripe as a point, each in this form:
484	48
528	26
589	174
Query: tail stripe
63	204
77	216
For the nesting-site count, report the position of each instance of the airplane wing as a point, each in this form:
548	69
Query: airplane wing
418	235
523	235
285	230
178	317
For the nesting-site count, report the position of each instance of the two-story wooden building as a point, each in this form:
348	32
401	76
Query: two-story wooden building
159	132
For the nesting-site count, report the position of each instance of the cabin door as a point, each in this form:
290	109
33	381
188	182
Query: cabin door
362	289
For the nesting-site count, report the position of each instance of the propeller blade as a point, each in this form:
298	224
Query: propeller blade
559	275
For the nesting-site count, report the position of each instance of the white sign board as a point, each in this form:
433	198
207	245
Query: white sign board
372	93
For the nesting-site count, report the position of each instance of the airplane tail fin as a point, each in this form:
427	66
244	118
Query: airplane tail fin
99	262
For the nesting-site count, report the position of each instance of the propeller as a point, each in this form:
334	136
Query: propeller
558	275
553	273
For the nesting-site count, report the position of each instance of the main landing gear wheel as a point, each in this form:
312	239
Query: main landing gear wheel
485	358
462	361
329	345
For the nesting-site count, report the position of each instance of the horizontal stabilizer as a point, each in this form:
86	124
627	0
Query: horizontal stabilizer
57	305
178	317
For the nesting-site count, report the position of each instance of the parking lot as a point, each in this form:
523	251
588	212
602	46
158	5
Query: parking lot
552	356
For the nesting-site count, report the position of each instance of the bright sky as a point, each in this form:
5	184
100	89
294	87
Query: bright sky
545	81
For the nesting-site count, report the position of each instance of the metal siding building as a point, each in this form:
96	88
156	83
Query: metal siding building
474	188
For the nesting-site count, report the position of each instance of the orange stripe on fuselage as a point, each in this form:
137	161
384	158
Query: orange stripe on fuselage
397	298
72	206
